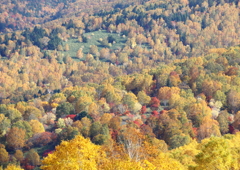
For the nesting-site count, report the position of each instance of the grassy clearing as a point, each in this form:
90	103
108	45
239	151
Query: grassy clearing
93	39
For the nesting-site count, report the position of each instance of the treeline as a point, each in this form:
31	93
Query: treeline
21	14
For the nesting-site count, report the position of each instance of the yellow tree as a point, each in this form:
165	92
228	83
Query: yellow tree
128	164
122	57
78	153
13	167
37	127
216	153
115	123
174	79
4	157
186	154
208	128
209	87
82	104
93	110
165	93
16	138
106	117
143	98
21	106
197	111
19	155
176	101
163	161
78	125
113	95
57	98
141	39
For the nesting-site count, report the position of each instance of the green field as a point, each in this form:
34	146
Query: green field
93	39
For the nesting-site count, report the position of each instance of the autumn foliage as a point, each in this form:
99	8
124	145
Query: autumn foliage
112	85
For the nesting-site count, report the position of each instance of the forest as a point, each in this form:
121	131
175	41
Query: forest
128	85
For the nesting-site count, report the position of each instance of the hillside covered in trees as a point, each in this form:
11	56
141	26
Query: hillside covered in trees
148	86
139	119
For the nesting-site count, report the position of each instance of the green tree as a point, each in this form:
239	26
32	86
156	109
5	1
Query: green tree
223	122
130	100
57	98
143	98
82	115
54	42
68	133
179	140
220	96
99	139
111	39
26	126
95	129
3	109
86	122
5	124
32	112
13	114
64	109
33	157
